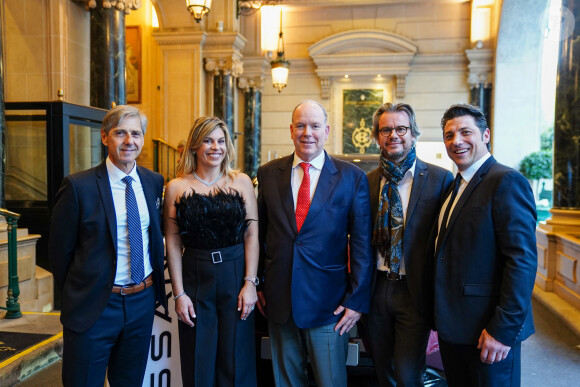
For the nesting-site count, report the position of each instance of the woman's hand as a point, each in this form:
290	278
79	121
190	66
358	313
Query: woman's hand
247	299
184	310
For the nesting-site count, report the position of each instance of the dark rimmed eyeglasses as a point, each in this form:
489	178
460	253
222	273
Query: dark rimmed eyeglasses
400	130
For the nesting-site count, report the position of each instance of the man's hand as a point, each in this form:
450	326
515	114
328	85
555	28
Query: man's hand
347	321
262	303
491	349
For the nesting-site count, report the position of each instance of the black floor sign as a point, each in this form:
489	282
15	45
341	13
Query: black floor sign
12	343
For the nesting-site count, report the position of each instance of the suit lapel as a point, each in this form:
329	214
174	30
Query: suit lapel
285	190
106	194
149	194
473	183
326	182
374	178
419	178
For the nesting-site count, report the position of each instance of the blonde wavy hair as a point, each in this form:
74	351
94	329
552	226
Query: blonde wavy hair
202	127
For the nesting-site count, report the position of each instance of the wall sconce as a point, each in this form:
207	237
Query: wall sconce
481	19
280	66
198	8
269	28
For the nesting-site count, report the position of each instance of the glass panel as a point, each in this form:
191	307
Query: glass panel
26	155
84	147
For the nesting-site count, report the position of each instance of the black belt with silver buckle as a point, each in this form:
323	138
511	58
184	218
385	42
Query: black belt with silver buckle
391	276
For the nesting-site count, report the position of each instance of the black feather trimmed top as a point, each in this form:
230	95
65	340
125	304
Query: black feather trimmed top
211	221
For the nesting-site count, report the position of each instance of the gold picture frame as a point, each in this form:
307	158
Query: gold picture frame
133	68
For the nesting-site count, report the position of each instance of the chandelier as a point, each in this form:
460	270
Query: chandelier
198	8
280	66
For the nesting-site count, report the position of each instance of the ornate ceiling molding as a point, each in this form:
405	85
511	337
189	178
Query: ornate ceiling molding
222	51
480	67
196	38
121	5
363	53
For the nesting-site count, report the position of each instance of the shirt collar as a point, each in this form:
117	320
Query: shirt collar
468	174
116	175
317	162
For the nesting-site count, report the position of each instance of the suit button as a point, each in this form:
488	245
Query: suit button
298	243
443	259
109	286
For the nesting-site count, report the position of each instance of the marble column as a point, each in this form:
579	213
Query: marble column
2	119
223	98
252	124
225	71
479	78
567	119
107	56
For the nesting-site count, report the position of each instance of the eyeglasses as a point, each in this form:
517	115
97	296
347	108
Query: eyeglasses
400	130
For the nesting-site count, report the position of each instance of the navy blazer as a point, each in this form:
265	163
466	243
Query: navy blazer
82	245
306	273
430	184
485	267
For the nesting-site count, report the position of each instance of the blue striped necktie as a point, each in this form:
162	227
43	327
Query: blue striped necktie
135	236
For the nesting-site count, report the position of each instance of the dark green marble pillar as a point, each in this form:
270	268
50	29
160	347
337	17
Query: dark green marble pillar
107	56
252	130
480	95
567	118
223	98
2	119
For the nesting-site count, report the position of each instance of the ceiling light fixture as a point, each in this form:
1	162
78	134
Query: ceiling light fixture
198	8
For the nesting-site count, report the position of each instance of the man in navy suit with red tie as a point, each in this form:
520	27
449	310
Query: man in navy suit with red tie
106	253
312	208
485	259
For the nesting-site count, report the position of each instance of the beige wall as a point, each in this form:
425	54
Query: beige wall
46	47
437	79
54	52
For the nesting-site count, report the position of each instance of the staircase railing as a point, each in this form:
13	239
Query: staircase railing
12	305
165	157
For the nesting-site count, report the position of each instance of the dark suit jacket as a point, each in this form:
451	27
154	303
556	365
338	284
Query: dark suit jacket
430	183
306	273
486	266
83	243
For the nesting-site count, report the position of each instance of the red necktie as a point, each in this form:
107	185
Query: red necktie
303	201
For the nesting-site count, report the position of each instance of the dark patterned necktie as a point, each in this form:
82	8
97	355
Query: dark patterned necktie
443	227
135	235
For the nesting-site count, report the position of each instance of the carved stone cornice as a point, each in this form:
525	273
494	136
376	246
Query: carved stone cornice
229	66
363	53
256	66
222	51
247	83
196	38
121	5
449	61
480	67
256	71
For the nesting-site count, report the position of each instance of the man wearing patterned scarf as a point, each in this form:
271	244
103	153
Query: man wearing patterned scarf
406	195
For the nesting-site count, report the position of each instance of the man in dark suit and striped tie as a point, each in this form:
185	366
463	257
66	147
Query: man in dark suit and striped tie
106	252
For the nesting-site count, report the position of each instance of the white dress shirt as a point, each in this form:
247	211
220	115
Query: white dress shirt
466	177
298	173
404	189
123	275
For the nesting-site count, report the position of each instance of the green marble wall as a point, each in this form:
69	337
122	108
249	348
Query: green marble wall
358	107
567	119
